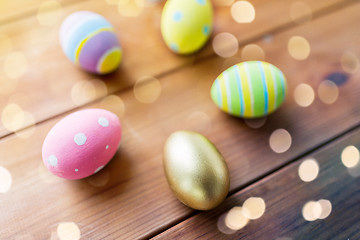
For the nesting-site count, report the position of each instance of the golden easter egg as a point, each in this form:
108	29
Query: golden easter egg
195	170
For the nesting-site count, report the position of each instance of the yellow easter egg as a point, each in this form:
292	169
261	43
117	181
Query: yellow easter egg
186	24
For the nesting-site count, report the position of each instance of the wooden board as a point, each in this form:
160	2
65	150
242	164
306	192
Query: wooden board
134	200
46	93
285	196
20	9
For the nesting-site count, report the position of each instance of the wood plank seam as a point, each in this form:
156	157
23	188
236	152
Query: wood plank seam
281	28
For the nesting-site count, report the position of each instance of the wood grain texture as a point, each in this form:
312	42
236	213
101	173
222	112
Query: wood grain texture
133	200
285	196
48	93
19	9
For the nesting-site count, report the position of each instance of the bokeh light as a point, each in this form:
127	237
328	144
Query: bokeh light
130	8
83	92
350	63
15	65
255	122
100	88
12	117
350	156
147	89
49	13
314	210
326	208
308	170
113	104
253	208
222	226
311	211
68	231
354	171
304	95
5	44
243	12
5	180
328	92
252	52
225	45
299	48
235	219
300	12
86	91
280	140
197	121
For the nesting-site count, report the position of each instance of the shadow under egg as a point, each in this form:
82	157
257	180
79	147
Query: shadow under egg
115	175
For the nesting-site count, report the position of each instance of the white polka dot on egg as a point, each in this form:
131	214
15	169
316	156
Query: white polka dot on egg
107	147
103	122
80	139
52	160
76	170
99	168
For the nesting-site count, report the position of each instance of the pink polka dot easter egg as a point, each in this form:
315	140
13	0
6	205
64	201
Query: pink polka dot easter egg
82	143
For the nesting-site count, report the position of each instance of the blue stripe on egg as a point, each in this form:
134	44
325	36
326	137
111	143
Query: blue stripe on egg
93	24
206	30
71	23
249	89
266	94
174	47
219	92
238	82
228	92
202	2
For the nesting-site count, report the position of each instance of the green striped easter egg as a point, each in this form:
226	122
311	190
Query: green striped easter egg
249	89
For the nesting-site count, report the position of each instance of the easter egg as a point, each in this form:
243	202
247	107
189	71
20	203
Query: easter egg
195	170
249	89
186	24
82	143
89	41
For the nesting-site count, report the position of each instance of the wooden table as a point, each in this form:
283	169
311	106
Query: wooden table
130	198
